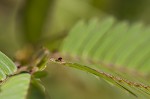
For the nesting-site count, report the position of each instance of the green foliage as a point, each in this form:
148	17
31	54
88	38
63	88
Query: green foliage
40	59
7	67
36	90
34	19
15	87
115	51
40	74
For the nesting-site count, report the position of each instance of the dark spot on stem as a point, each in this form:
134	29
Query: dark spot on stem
18	66
59	59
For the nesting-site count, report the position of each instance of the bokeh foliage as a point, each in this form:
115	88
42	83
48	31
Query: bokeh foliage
47	22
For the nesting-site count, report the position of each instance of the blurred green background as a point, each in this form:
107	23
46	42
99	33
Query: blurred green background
47	22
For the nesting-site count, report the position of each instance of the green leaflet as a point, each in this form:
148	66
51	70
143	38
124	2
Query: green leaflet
15	87
7	67
137	89
116	48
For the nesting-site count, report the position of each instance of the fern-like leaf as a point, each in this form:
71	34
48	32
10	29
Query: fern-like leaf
118	52
15	87
7	67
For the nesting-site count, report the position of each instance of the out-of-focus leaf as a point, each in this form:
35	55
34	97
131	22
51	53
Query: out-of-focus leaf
122	9
37	90
34	18
15	87
40	59
7	67
8	10
118	52
40	74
